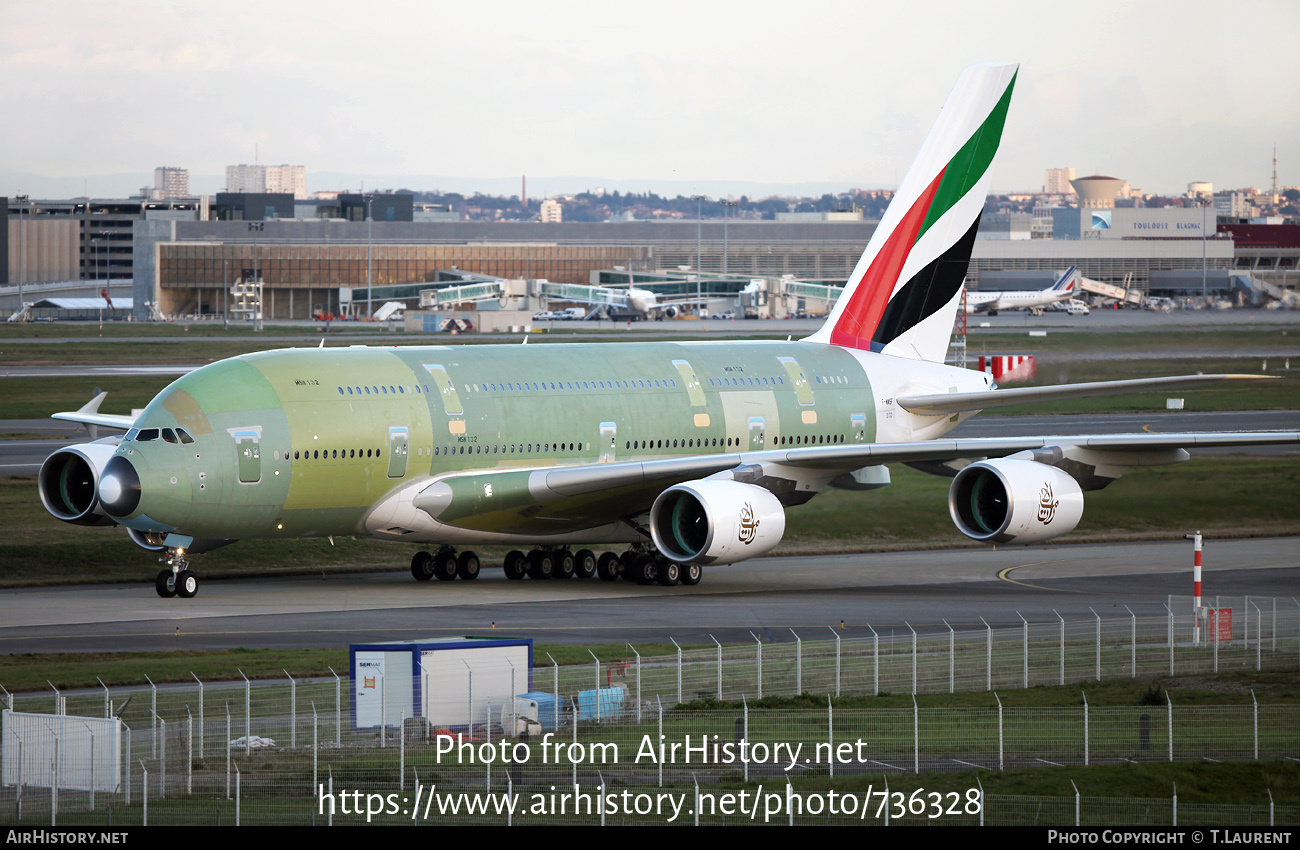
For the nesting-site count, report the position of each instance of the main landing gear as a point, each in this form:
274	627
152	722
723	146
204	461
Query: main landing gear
445	565
179	580
637	565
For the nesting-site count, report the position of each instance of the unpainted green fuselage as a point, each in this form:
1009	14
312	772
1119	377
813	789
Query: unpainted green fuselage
313	442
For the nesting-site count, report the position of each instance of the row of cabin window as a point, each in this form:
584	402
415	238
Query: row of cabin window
729	442
333	454
380	390
519	448
145	435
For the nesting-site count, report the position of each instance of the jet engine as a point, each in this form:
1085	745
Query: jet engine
1014	501
69	482
715	522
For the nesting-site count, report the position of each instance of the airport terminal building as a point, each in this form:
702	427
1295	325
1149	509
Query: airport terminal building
180	263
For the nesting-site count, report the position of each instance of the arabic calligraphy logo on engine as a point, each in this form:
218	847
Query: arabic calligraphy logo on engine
748	524
1046	505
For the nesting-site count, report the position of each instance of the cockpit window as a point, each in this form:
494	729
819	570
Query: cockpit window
130	435
169	435
185	438
148	434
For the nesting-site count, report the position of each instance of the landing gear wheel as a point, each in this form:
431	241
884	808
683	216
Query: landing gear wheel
422	566
444	566
607	567
187	584
165	584
669	573
691	574
584	563
645	569
541	564
467	566
514	565
565	564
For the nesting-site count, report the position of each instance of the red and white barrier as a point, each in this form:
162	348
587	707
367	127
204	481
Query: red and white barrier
1008	368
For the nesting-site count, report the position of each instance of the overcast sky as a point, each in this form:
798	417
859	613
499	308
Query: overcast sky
1157	93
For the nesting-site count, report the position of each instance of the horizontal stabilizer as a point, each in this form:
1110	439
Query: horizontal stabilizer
948	403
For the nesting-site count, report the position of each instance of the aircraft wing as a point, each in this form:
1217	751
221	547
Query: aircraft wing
947	403
582	496
89	415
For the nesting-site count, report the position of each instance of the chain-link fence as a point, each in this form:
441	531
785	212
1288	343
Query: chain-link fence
267	752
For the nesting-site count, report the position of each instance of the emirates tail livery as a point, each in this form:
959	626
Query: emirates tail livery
677	455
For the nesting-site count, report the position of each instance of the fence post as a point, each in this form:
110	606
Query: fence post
913	631
1175	818
988	655
144	792
1076	802
798	664
760	676
315	747
1085	729
572	761
1255	721
983	804
1025	653
830	733
1097	656
916	736
58	697
153	714
660	733
1259	634
18	790
9	698
875	654
638	681
127	761
237	795
1133	643
1001	751
696	781
597	662
837	660
555	682
92	766
679	676
228	742
197	679
329	818
401	750
745	704
108	708
248	714
514	717
293	711
952	656
715	641
189	751
338	708
469	698
1062	619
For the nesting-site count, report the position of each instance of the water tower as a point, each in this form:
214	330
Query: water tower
1097	192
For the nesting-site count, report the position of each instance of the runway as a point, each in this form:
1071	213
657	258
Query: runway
766	598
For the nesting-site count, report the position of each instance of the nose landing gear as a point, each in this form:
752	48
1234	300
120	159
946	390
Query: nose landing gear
179	580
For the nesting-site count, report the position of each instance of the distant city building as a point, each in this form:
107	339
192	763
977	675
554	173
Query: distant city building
1234	205
267	179
552	212
170	183
1056	181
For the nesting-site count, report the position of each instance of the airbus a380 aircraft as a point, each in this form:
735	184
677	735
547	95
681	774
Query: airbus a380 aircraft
688	454
992	302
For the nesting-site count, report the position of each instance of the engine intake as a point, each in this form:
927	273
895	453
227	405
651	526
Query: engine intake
69	482
715	522
1014	501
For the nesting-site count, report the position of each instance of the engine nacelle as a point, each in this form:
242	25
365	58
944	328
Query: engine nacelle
715	522
1014	501
69	482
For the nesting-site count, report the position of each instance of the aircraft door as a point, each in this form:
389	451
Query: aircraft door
802	389
757	434
450	399
398	448
608	441
693	387
248	452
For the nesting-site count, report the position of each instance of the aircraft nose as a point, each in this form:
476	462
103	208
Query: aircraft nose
119	488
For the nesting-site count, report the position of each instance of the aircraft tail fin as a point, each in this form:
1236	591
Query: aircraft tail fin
906	288
1068	281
